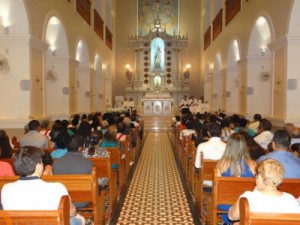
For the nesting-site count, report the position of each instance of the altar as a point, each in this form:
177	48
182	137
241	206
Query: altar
157	104
158	81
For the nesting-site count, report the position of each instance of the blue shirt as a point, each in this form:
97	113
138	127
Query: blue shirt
59	153
250	132
290	162
246	173
107	144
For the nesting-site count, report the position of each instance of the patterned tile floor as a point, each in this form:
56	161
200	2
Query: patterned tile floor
156	194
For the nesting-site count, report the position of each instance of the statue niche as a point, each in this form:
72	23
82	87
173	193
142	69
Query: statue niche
157	56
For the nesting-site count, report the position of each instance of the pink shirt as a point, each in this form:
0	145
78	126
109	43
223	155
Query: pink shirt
5	169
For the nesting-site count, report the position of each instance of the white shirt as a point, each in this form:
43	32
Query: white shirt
184	104
131	104
126	104
259	202
264	138
186	132
212	149
295	141
33	194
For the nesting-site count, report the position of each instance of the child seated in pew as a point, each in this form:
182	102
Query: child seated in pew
235	162
266	197
32	193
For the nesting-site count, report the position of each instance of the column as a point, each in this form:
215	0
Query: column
73	70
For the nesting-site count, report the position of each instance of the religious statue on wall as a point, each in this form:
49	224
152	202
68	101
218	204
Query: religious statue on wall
158	55
128	76
186	75
157	58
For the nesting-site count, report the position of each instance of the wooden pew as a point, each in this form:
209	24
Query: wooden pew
129	154
184	156
191	164
226	190
116	158
247	217
83	188
104	170
135	150
205	174
61	216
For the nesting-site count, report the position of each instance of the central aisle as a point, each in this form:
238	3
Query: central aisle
156	195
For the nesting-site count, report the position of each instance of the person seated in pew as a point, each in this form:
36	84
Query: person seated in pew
47	162
73	162
33	137
6	169
44	130
256	120
281	143
32	193
188	130
59	137
213	148
243	125
255	150
84	129
5	147
266	197
94	150
121	136
109	138
295	149
295	136
264	133
235	162
128	126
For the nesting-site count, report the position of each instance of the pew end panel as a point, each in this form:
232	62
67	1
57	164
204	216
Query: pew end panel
83	188
226	190
104	170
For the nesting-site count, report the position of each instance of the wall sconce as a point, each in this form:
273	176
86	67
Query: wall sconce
263	51
186	73
128	73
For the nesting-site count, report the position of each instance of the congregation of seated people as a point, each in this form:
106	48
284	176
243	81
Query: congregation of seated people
62	149
239	145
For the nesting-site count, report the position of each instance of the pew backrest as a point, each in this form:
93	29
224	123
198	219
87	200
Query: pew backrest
61	216
81	187
104	170
254	218
226	190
